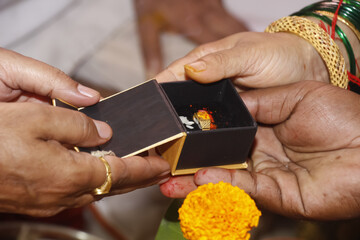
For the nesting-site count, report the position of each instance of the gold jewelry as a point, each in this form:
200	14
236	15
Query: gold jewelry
202	118
105	188
320	40
343	20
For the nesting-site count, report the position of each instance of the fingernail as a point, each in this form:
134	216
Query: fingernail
198	66
166	175
164	180
104	130
88	92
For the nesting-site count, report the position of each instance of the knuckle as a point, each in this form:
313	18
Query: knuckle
58	74
220	58
86	127
204	49
122	173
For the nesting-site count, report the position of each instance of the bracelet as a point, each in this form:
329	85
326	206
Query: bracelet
320	40
355	3
342	36
350	12
344	21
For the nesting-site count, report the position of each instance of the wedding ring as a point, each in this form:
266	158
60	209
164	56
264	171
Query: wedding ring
105	188
202	118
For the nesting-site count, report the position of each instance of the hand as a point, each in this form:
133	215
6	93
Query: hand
253	60
201	21
305	157
40	174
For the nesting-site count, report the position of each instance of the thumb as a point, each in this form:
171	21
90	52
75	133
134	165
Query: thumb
182	68
240	178
27	74
224	63
65	126
262	188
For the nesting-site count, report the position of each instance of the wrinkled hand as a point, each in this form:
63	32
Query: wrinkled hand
201	21
305	157
40	174
253	60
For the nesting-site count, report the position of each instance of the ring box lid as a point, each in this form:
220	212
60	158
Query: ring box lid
141	119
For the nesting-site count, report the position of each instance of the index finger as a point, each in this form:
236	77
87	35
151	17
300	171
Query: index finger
19	72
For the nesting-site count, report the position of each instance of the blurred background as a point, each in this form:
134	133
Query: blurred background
112	45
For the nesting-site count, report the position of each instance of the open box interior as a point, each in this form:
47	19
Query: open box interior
219	99
225	146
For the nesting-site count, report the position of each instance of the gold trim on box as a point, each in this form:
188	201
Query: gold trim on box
160	143
194	170
58	99
171	151
102	99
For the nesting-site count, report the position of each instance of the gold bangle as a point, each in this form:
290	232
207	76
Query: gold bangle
105	188
320	40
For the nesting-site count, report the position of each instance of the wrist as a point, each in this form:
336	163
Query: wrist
318	70
320	40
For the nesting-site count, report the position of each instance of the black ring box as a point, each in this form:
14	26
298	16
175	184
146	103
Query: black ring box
147	116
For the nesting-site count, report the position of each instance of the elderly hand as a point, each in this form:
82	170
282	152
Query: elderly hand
40	174
201	21
305	157
253	60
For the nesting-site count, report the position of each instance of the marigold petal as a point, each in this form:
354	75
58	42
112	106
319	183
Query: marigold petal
218	211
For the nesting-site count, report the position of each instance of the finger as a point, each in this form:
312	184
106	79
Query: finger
222	64
274	105
134	172
67	126
240	178
278	192
178	187
127	174
149	32
176	72
23	73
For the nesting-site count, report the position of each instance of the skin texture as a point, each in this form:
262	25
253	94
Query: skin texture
40	174
305	158
201	21
252	60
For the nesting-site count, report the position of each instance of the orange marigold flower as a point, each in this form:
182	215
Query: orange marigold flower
218	211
